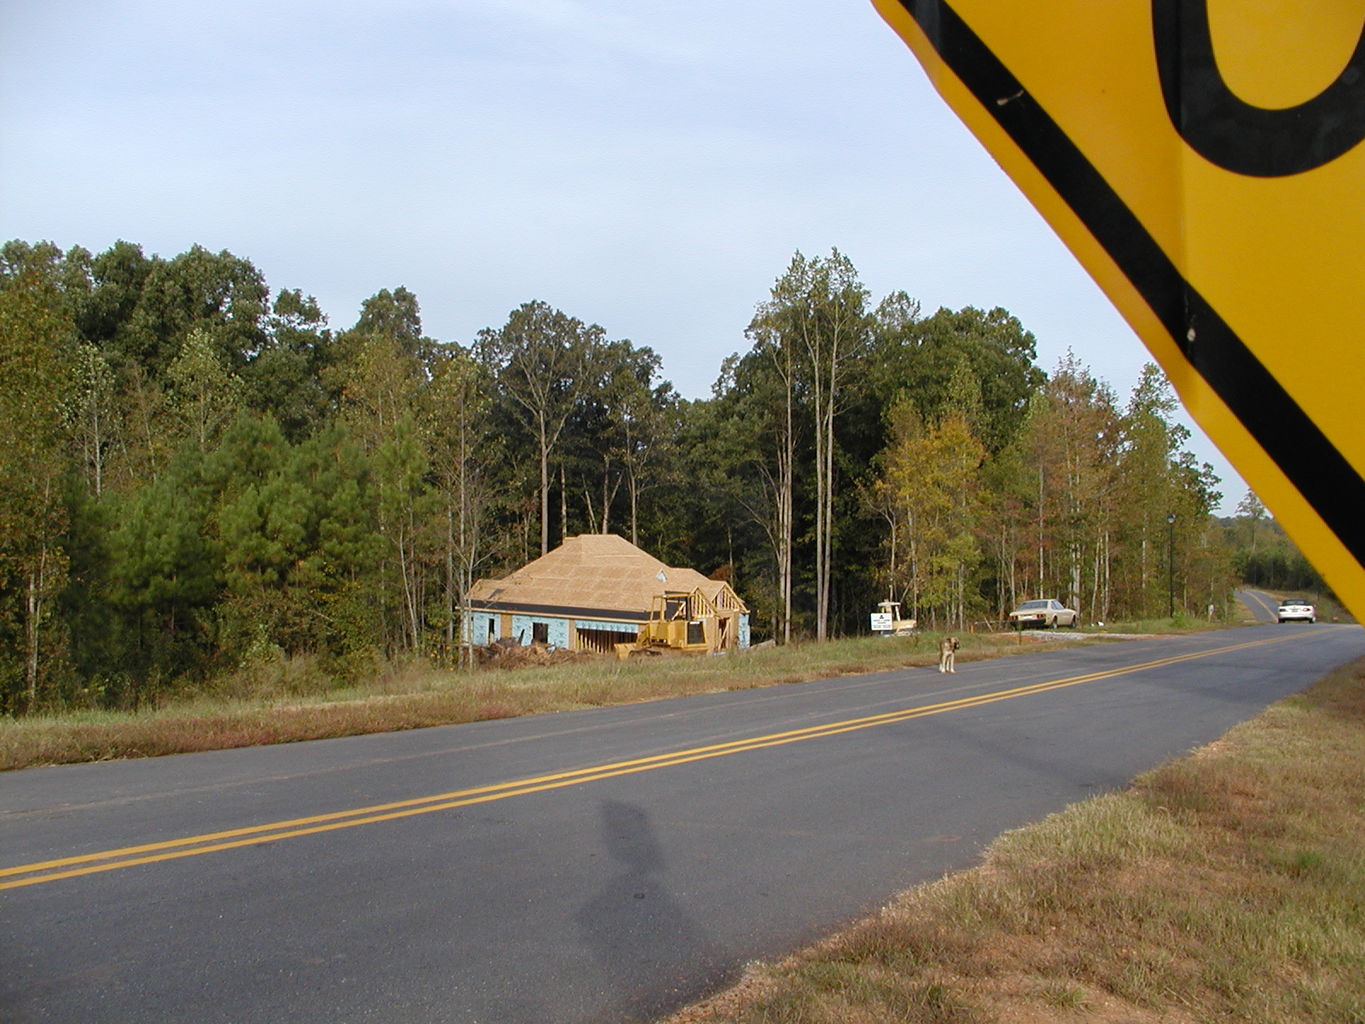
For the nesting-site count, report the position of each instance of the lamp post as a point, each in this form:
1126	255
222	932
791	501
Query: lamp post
1170	565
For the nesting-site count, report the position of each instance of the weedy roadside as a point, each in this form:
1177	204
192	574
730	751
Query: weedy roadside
291	702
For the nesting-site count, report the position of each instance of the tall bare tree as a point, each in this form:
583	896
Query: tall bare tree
636	406
819	309
464	455
92	413
1074	445
542	362
779	348
381	377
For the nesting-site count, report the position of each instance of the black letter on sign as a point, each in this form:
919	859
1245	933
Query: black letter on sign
1256	141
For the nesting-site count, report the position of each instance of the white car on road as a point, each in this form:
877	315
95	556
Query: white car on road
1296	609
1048	612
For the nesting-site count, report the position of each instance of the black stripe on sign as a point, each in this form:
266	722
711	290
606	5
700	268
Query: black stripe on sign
1304	454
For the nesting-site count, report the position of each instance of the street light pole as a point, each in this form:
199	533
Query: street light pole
1170	565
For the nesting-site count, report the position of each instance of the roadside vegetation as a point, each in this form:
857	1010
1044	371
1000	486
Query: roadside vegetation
1228	885
290	700
295	700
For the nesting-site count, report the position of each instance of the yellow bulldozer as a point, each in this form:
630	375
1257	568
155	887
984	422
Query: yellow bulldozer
685	623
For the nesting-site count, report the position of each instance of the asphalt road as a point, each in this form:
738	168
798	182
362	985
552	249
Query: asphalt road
1261	605
604	865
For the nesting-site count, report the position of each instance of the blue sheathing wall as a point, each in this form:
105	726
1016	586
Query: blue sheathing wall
476	628
558	629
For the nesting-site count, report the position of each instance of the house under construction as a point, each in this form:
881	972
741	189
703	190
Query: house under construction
599	592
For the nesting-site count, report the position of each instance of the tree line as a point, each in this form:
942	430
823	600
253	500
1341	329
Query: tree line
198	473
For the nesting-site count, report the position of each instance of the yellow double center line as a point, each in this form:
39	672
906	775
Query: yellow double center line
212	842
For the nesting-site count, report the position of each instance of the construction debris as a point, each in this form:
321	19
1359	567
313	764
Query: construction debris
507	653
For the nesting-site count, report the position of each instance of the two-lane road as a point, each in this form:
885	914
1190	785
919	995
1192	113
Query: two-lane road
593	866
1261	605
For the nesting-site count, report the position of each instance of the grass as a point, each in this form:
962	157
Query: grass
294	700
284	702
297	699
1228	885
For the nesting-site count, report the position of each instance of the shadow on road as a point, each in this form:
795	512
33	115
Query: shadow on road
654	955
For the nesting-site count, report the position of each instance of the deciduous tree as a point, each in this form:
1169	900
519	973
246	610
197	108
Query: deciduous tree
465	454
37	342
542	361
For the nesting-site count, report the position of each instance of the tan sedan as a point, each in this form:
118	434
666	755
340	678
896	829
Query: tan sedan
1048	612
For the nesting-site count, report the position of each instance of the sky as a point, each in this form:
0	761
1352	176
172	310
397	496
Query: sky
647	166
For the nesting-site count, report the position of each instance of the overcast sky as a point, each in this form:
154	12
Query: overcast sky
647	166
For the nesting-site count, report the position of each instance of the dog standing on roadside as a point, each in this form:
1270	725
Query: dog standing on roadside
947	654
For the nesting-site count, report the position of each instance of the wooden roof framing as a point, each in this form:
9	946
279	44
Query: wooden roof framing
595	574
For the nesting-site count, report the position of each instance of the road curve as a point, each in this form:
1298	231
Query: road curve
1261	605
591	866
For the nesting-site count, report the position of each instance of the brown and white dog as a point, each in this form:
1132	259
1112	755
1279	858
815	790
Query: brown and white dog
947	654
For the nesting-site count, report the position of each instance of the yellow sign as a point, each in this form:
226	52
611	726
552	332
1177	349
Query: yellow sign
1203	160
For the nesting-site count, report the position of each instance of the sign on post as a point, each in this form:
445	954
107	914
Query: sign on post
1204	163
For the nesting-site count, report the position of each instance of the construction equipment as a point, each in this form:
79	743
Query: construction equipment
686	623
887	621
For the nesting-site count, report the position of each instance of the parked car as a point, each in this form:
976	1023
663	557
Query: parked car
1048	612
1296	609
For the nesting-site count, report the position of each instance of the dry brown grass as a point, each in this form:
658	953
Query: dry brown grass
284	702
1229	885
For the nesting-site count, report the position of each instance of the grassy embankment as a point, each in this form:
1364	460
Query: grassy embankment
1228	885
292	701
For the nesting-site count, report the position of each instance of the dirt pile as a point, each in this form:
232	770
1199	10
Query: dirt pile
507	653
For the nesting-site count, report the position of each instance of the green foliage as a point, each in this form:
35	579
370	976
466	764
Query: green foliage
203	393
287	376
930	493
200	477
220	294
37	343
1263	556
920	357
117	276
166	571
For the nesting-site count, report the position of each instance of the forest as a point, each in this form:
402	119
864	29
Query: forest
199	473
